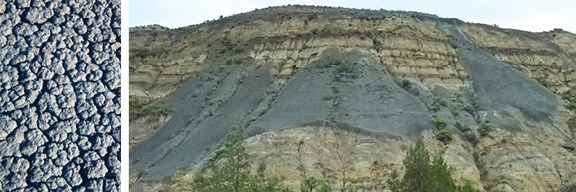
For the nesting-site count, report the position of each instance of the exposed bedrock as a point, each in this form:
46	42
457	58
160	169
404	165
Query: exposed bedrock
347	89
238	95
499	86
361	83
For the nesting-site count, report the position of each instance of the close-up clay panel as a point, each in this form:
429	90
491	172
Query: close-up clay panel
60	95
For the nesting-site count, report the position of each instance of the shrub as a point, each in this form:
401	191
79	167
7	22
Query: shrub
439	122
462	127
444	135
422	174
571	106
376	42
140	108
311	184
485	129
327	97
406	84
215	102
544	81
347	70
437	103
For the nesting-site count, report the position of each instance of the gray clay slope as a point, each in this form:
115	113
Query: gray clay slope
187	104
60	95
192	144
498	85
301	101
348	90
373	103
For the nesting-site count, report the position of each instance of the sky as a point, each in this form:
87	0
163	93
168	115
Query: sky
526	15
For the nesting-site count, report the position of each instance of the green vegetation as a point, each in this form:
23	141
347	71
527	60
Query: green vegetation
544	81
423	175
462	127
312	184
439	122
140	108
485	129
228	43
444	135
312	16
406	84
347	70
315	31
474	107
231	170
215	102
326	98
470	109
375	41
437	103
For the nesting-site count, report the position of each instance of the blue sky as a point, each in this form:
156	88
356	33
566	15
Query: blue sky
525	15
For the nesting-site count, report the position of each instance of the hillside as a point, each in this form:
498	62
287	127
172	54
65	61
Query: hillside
353	87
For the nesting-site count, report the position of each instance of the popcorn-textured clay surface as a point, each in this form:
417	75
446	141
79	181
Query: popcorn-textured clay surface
59	95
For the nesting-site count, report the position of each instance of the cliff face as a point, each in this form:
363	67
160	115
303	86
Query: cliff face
357	86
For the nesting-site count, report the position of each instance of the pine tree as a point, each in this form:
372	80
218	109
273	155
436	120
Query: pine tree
423	175
234	172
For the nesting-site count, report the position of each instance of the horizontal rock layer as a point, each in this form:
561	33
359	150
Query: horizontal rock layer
384	75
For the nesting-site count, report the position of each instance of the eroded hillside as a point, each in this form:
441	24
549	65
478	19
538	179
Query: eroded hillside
368	82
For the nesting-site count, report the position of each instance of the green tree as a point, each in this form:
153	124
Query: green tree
423	174
231	170
312	184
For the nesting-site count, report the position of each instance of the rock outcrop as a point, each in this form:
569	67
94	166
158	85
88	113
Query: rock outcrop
352	89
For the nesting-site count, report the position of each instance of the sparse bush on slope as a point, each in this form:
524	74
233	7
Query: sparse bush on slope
153	107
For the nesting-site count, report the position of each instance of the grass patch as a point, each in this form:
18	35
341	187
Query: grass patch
347	71
444	135
139	108
485	129
439	122
327	97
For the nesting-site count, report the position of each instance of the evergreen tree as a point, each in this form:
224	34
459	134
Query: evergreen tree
424	175
234	172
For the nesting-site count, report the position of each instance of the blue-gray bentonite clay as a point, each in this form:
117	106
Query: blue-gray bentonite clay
59	95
